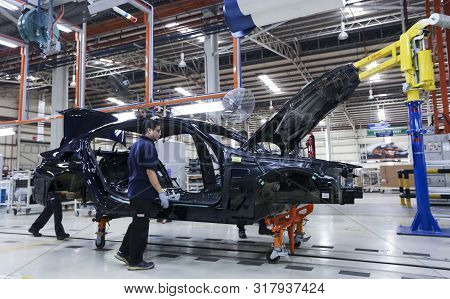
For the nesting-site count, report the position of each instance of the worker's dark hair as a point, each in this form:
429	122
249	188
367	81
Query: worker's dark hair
150	124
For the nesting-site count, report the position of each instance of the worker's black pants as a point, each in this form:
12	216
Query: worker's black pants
135	240
53	207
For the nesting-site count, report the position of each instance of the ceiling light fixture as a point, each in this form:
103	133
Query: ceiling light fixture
199	36
7	43
73	84
185	30
183	91
271	105
171	25
269	83
381	114
182	63
343	35
116	101
8	5
371	97
63	28
107	61
197	108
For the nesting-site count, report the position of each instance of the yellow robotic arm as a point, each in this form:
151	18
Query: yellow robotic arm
411	55
416	63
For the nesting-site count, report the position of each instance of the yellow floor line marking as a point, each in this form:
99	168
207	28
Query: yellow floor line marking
8	249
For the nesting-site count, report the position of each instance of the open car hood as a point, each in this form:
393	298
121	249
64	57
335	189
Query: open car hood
80	121
307	108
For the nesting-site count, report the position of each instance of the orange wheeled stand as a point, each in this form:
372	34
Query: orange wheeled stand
101	232
291	221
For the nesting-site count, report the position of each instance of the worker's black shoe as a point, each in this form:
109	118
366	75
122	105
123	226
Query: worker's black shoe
141	266
242	234
34	233
265	231
122	257
62	237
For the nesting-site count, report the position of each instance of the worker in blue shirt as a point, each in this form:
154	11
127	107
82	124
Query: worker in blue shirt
143	191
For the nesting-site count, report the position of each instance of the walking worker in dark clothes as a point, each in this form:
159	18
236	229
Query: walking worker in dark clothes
143	192
52	207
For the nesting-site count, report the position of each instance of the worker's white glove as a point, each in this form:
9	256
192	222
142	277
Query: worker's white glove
164	199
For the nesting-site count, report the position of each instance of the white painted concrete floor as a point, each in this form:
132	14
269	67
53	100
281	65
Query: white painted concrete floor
352	241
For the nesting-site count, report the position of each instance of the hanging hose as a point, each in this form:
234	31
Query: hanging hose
61	14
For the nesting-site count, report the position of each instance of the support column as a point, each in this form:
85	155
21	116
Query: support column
402	13
60	96
237	63
212	83
424	224
328	138
82	73
149	56
21	114
18	146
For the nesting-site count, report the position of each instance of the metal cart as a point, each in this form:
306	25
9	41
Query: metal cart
81	207
4	190
20	191
371	179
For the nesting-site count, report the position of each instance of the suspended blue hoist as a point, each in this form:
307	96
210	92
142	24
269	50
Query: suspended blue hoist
38	27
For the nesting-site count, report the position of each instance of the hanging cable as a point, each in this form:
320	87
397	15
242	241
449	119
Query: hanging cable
61	14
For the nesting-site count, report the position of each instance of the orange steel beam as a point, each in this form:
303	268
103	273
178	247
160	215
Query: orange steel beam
433	93
123	108
147	56
22	83
442	71
162	11
136	35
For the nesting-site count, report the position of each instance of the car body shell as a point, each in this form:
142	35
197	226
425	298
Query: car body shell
249	185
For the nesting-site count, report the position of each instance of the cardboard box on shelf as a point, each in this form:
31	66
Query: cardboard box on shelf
389	175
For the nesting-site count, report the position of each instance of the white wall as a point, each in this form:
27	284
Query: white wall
30	149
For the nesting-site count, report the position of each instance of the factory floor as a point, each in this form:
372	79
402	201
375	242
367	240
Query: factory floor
352	241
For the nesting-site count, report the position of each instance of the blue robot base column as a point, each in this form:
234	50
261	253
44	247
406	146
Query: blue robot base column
424	223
